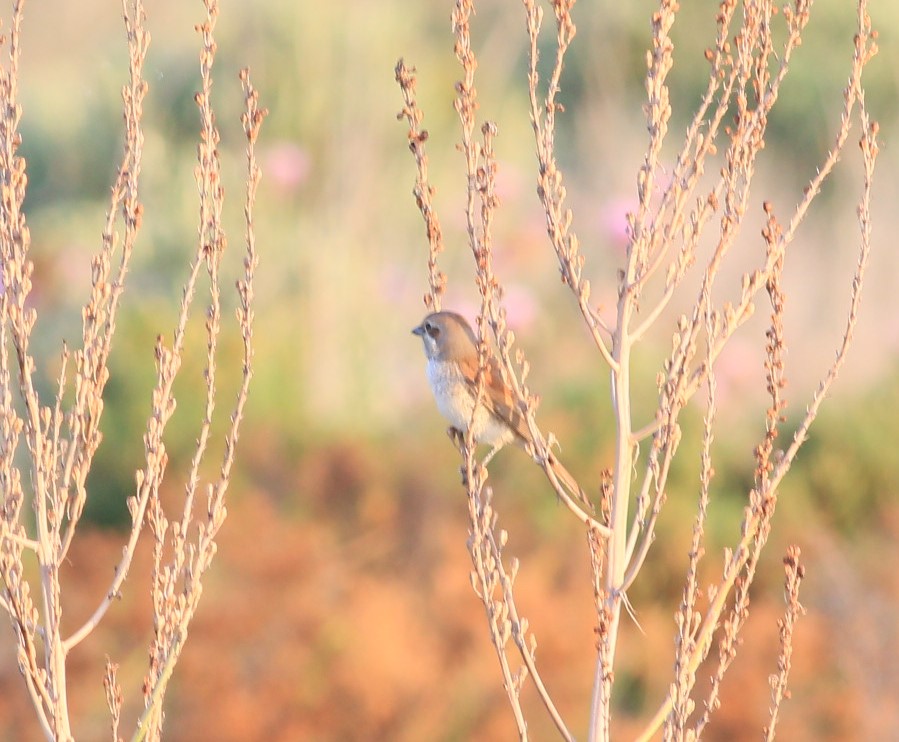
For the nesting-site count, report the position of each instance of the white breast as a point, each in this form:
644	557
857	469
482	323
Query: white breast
456	403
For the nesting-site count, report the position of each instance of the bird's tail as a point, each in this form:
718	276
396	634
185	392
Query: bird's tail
570	483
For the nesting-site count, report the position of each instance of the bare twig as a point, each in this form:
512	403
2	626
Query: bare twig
423	190
63	437
795	572
550	186
99	316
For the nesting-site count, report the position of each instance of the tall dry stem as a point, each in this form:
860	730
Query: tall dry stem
710	189
61	436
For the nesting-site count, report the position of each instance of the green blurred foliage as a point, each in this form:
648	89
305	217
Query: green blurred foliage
342	268
847	475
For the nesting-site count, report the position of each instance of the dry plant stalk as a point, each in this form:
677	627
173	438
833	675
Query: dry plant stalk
748	62
62	437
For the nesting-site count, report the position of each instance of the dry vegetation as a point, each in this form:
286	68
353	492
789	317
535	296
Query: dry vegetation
341	605
48	445
685	226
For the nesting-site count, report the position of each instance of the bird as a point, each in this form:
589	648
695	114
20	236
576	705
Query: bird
451	348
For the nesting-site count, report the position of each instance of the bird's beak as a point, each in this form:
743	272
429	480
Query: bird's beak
420	330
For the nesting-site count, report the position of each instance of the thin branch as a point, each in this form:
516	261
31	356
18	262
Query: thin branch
550	189
795	572
688	618
423	190
99	315
107	283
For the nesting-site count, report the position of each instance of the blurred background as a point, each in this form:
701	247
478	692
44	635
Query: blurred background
339	606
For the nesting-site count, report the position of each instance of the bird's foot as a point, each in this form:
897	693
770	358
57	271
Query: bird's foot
456	436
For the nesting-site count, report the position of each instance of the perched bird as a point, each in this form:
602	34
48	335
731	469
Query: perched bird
451	348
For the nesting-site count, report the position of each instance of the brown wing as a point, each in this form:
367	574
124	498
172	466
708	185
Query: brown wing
498	398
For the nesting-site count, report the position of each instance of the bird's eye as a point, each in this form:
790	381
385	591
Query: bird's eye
432	329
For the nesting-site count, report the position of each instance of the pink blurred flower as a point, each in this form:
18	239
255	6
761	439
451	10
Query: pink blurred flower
519	303
613	214
287	165
613	220
738	371
521	308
